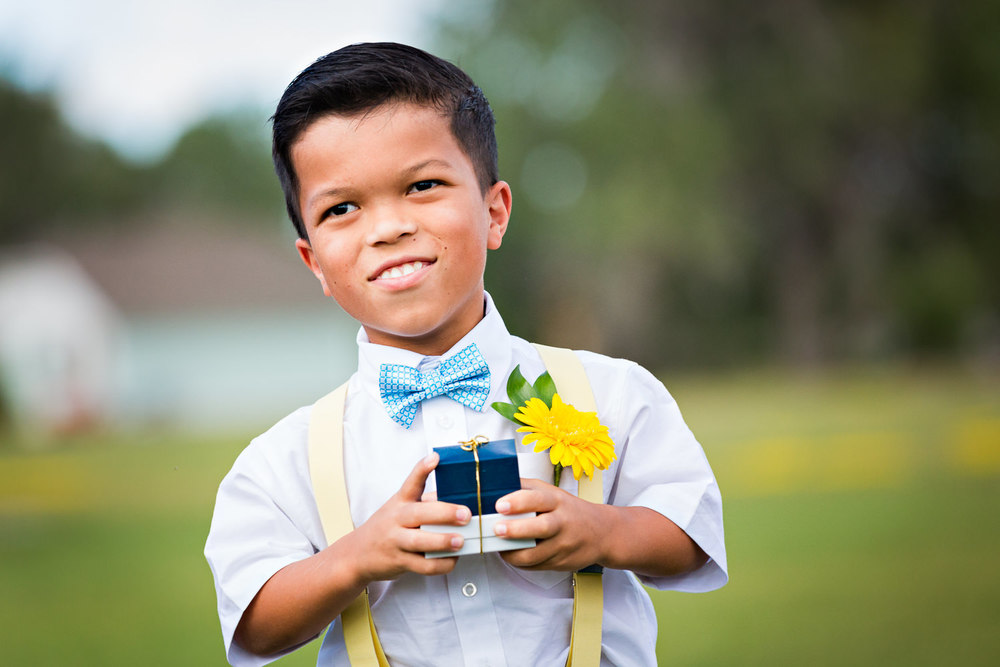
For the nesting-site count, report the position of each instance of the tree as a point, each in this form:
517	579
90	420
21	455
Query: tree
50	177
721	181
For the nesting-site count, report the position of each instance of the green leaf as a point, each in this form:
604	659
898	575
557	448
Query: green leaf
544	388
518	388
506	410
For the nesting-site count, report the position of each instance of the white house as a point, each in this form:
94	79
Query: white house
59	337
182	326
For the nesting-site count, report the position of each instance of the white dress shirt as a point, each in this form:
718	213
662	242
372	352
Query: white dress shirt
485	612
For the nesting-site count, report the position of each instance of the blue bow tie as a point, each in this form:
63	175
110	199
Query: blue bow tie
464	377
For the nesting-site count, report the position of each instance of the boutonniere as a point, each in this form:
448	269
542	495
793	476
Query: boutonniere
575	439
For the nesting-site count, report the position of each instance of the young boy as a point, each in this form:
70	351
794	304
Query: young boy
388	162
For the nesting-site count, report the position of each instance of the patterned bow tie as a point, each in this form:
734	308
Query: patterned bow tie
464	377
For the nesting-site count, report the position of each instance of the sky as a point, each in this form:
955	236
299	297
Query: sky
137	73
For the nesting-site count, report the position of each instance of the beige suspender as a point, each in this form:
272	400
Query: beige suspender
326	470
588	591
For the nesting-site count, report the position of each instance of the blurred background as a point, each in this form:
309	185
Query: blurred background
788	211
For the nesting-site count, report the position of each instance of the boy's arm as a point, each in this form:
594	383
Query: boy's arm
663	514
302	598
573	533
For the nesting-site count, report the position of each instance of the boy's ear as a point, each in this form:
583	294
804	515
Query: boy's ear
499	200
309	258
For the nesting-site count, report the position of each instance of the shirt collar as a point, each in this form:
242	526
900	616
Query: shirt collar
490	335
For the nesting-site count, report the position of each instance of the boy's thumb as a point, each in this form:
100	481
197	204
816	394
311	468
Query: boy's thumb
413	487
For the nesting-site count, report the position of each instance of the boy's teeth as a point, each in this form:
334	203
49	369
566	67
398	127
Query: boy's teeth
403	270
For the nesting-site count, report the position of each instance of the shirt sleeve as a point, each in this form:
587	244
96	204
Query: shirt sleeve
660	465
264	519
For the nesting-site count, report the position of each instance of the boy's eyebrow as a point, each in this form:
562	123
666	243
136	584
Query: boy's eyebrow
433	162
337	192
332	193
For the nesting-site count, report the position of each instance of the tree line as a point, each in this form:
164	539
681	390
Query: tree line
810	182
695	183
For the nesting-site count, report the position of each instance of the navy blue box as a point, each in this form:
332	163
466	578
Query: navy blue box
498	474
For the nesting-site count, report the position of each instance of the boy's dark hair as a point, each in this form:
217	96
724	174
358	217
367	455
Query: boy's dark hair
362	77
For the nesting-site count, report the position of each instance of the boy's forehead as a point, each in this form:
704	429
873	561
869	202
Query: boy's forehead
388	142
329	131
383	113
334	131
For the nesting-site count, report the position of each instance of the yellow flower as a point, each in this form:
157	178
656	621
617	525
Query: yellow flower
574	439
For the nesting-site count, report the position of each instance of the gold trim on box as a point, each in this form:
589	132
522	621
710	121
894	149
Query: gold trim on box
473	446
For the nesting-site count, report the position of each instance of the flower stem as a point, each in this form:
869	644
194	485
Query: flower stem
557	474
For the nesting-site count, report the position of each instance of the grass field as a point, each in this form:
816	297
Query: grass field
861	521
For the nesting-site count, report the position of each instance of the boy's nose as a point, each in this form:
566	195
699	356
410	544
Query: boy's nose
388	226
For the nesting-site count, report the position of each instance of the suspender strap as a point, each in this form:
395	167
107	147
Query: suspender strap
588	612
588	591
573	386
326	470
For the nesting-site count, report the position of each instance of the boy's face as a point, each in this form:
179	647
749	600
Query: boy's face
398	224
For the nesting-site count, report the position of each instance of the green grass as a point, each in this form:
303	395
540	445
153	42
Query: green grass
860	519
900	576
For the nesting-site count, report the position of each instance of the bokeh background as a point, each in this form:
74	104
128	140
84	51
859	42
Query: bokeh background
788	211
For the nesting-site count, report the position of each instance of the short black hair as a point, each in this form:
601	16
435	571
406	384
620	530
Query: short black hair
362	77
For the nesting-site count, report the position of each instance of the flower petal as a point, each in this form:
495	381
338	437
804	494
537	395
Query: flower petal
574	439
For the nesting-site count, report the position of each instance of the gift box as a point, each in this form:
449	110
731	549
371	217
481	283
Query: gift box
477	474
470	532
498	474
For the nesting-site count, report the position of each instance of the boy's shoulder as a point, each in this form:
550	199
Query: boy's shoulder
281	449
600	367
619	385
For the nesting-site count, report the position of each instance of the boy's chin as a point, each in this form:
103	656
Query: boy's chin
427	343
427	328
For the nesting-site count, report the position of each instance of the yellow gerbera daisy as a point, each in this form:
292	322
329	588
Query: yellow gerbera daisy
574	439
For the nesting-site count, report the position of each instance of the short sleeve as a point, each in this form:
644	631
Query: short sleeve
264	519
660	465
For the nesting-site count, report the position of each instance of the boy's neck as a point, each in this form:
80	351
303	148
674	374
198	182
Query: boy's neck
439	339
423	349
430	346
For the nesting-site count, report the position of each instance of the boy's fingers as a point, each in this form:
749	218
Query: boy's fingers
431	566
414	515
532	483
413	486
529	499
526	558
422	541
540	527
537	558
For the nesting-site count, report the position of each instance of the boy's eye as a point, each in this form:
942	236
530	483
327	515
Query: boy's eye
420	186
340	209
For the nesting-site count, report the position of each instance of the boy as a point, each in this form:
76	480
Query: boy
388	163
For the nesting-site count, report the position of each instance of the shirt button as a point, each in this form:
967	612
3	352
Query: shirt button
444	421
469	589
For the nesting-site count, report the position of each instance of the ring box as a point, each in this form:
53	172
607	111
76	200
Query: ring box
456	479
470	532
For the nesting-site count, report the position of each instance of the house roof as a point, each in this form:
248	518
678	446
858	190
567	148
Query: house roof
188	267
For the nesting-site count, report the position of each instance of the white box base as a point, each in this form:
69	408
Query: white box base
470	532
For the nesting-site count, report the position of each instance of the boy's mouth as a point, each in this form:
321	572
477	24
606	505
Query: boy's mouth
400	270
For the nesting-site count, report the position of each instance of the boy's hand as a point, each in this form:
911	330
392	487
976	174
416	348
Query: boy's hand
391	543
304	597
572	533
568	530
